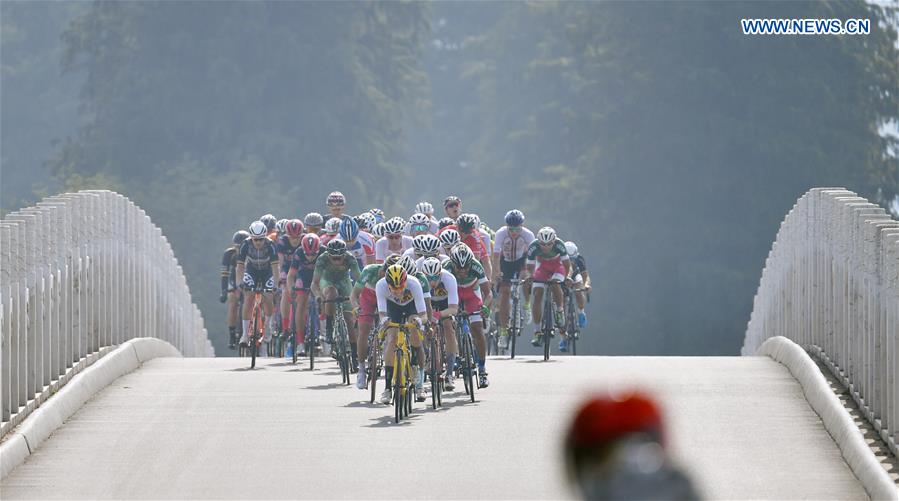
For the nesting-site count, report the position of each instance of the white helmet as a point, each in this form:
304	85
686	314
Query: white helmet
369	219
477	220
408	264
426	245
281	225
571	247
394	225
419	218
449	237
546	235
332	226
258	229
378	230
424	208
431	266
461	255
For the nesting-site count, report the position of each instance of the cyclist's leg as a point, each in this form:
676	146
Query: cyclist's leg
286	299
247	285
329	292
233	300
537	305
504	289
368	310
299	315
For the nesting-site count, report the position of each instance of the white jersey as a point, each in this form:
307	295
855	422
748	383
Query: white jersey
409	252
382	249
512	247
447	288
485	239
412	292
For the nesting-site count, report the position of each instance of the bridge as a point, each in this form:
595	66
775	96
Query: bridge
110	388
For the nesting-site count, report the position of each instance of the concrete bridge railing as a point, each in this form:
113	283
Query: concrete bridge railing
79	274
831	284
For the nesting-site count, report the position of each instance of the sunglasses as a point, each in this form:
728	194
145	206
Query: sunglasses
514	229
394	237
259	239
452	206
420	227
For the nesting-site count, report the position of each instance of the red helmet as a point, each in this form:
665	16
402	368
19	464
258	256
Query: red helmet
602	421
311	244
294	228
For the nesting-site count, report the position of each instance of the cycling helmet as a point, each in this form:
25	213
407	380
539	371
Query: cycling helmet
431	266
258	229
461	255
396	276
408	264
419	218
571	247
452	199
294	228
269	221
366	220
546	235
378	230
514	218
444	222
391	260
336	247
348	229
313	219
466	223
393	226
424	208
379	215
336	199
311	244
281	226
240	236
428	245
332	226
477	220
450	237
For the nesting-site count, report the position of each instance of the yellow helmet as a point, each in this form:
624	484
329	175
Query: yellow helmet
396	276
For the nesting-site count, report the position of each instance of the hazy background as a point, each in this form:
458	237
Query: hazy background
662	140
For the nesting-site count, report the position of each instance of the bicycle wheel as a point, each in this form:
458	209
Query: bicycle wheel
547	323
434	372
373	368
471	365
398	387
464	366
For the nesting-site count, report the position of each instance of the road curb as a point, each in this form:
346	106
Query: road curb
52	414
836	419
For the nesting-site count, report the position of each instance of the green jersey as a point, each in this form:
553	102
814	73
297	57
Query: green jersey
336	272
473	277
370	276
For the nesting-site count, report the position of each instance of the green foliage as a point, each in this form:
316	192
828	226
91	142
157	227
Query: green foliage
670	146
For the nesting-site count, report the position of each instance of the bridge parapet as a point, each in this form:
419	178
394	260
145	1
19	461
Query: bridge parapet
81	273
831	284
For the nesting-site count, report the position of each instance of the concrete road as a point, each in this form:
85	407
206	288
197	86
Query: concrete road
208	428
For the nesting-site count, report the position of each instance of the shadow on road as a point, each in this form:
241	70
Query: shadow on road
387	421
539	361
326	386
246	369
366	403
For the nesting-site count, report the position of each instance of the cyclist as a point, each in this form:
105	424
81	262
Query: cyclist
257	263
443	223
547	253
286	246
412	271
581	279
428	210
394	241
418	224
313	222
331	280
365	301
358	243
271	224
281	228
445	304
452	205
302	268
336	203
332	228
470	234
509	254
449	239
229	285
399	300
474	292
423	246
377	233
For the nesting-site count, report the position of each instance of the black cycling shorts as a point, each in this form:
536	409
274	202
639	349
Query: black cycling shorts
399	313
439	304
511	269
253	278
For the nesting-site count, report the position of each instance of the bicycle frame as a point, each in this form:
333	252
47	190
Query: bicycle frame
340	336
467	363
402	370
514	314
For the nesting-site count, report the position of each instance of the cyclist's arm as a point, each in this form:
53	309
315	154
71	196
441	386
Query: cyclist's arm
238	274
354	295
276	268
419	298
381	293
226	270
586	277
487	294
452	295
316	283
